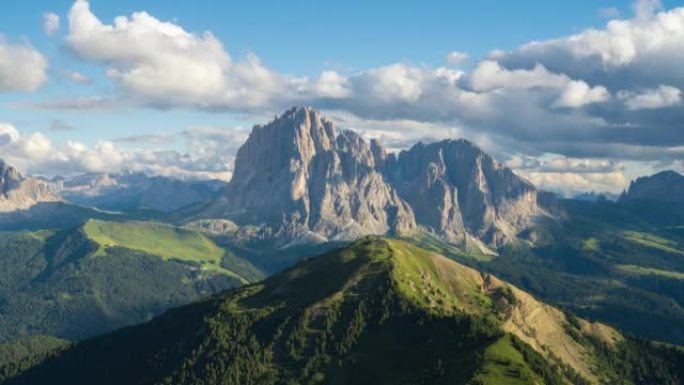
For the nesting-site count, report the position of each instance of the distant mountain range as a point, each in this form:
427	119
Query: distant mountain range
130	191
593	196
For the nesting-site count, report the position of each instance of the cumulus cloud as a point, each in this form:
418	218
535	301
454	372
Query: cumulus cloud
22	67
167	65
37	154
50	23
570	176
646	49
456	58
577	93
663	96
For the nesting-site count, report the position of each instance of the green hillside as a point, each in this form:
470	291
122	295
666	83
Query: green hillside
92	279
377	312
617	263
158	239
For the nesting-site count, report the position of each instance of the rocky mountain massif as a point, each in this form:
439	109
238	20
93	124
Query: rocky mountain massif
377	312
18	192
297	176
665	186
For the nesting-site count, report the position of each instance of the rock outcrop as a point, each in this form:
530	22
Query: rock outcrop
18	192
298	175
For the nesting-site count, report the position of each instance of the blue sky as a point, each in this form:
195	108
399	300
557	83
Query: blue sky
378	67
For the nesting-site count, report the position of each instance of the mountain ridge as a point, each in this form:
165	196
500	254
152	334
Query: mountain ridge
379	311
665	186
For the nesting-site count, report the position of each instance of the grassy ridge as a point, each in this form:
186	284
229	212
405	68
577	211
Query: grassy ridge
640	270
653	241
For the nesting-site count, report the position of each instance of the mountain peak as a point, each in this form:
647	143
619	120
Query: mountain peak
9	177
18	192
299	175
665	186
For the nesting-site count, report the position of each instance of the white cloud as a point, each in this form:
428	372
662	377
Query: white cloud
577	93
167	65
456	58
570	184
50	23
22	68
331	85
78	77
489	75
35	146
563	164
35	153
663	96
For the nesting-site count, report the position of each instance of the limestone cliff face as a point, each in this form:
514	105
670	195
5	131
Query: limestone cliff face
18	192
298	175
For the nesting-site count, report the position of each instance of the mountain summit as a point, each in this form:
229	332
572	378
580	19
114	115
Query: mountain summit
18	192
299	176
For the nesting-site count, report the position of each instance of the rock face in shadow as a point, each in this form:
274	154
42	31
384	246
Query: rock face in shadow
456	190
298	175
665	186
18	192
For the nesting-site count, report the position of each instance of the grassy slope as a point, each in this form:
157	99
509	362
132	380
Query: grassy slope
503	364
640	270
158	239
617	263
